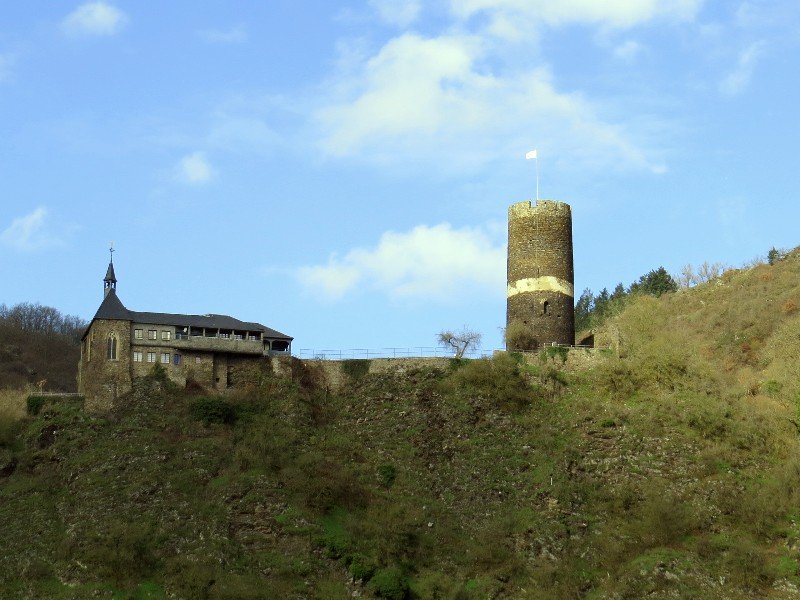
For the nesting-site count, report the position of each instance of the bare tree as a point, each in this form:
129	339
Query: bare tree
709	271
687	278
459	342
705	272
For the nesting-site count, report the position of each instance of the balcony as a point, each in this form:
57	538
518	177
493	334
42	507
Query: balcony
218	344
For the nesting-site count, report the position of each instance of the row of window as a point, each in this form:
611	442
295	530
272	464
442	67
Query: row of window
152	334
177	359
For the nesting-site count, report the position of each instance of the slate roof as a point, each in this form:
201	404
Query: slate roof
110	273
112	308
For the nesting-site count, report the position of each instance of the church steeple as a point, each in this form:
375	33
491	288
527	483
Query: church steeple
110	280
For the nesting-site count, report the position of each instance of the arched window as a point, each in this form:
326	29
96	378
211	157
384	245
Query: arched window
546	308
111	347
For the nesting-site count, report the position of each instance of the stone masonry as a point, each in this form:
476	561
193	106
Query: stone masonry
540	293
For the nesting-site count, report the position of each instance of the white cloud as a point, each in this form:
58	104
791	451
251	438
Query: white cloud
234	35
433	263
628	50
397	12
94	18
28	233
738	79
434	99
194	169
518	17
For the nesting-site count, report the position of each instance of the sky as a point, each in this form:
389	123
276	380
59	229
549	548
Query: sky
342	171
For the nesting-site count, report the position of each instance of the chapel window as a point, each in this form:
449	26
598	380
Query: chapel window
111	347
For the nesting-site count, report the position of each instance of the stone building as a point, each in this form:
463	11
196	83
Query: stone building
120	345
540	293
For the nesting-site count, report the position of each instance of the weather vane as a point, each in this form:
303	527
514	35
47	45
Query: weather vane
111	250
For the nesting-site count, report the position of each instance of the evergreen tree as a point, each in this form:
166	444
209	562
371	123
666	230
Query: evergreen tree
583	310
655	283
601	303
619	292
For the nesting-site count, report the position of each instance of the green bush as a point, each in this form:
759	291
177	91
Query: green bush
555	351
334	539
497	379
389	583
749	564
122	552
387	475
212	409
361	568
519	336
355	368
36	403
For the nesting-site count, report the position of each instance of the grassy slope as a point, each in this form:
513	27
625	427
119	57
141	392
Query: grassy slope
670	471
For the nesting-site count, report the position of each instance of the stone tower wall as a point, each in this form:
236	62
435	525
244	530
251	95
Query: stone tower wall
540	292
102	380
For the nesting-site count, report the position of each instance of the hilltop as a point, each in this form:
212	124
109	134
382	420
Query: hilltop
39	347
669	469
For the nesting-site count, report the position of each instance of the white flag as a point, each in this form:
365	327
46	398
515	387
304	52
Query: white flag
531	154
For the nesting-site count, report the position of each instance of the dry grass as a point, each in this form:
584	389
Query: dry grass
12	410
12	404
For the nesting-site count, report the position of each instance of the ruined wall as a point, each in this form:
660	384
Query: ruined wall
101	380
335	377
540	274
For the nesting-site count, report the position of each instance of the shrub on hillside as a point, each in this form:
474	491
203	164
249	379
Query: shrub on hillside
387	475
361	568
519	337
389	583
498	379
212	409
355	368
35	404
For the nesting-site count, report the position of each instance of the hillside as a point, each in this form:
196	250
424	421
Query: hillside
39	347
670	469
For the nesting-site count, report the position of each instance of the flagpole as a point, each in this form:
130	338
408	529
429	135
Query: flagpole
534	154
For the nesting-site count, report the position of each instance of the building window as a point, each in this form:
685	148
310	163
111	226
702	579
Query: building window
197	360
237	336
137	334
137	356
225	335
111	347
166	335
177	359
151	357
152	334
165	358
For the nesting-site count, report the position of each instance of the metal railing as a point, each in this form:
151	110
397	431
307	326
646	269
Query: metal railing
407	352
368	353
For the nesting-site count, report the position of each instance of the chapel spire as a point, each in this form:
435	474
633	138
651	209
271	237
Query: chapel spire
110	280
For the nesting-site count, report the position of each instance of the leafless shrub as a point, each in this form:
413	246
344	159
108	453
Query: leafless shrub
459	342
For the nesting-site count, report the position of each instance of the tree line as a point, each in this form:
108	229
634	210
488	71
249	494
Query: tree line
35	318
591	309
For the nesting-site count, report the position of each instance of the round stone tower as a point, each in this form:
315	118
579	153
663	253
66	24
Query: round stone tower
540	305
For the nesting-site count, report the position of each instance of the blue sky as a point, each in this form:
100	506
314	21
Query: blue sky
341	171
